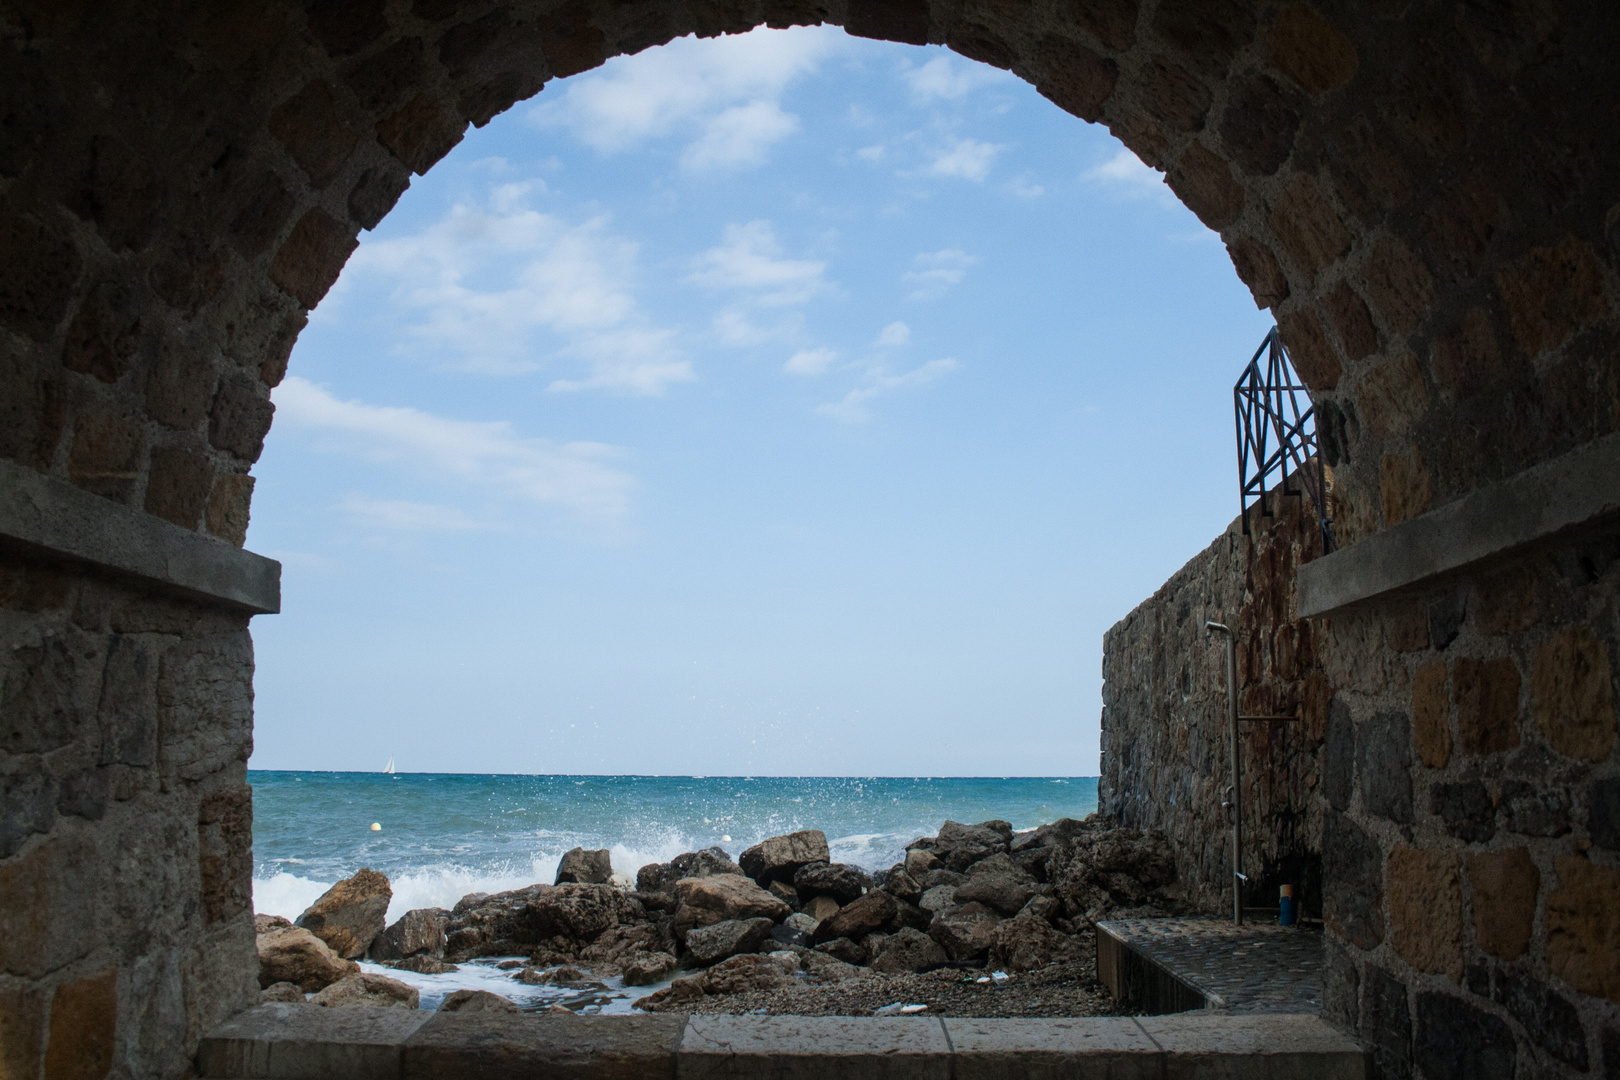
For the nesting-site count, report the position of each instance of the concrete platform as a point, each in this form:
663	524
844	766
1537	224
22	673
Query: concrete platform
308	1042
1174	965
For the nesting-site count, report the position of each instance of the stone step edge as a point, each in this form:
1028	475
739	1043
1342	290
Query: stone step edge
281	1041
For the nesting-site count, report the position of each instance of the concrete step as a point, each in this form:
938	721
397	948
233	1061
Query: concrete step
308	1042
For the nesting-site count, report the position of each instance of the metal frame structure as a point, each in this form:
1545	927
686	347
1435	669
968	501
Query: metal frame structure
1274	434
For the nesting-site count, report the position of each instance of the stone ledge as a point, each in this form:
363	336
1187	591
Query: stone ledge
308	1042
1577	489
42	514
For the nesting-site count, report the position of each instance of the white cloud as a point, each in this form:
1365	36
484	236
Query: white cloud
852	409
810	362
727	89
896	333
948	78
739	137
1125	174
747	260
1025	189
934	272
967	159
575	476
483	283
401	516
870	153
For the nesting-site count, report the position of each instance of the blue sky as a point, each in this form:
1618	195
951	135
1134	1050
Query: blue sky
787	403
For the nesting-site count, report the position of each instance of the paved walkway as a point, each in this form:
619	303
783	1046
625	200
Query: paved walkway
1254	968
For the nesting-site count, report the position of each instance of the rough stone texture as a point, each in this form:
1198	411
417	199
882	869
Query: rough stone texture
710	944
419	931
363	988
293	954
1583	927
349	914
177	186
476	1001
780	857
1426	910
708	900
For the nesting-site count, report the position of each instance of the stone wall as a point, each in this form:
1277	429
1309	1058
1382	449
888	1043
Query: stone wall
1166	746
125	824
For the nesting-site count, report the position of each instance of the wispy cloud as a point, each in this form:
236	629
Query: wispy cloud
1125	175
485	282
401	516
810	362
894	335
852	409
949	78
726	91
966	159
748	260
572	476
933	273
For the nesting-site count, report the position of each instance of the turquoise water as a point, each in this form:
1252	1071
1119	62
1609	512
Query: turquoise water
445	835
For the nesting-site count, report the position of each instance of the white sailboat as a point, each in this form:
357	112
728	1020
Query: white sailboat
389	768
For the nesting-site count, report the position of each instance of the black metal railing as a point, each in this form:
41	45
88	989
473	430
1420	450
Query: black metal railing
1275	434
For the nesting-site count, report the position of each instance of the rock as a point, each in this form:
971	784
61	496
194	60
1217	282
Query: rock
708	900
282	991
749	971
784	892
910	915
909	950
661	877
583	867
562	918
780	857
423	964
821	908
263	924
557	976
363	988
788	936
350	913
418	931
854	921
842	948
919	862
1107	868
999	883
786	959
965	932
1043	907
621	880
1056	834
293	954
1027	942
842	883
655	902
468	902
902	886
646	968
935	878
579	912
871	943
676	993
476	1001
959	846
710	944
801	922
620	945
937	899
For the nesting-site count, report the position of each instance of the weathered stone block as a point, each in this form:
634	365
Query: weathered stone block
1572	694
1425	910
504	1046
228	507
225	853
315	132
22	1032
1467	810
1204	182
1308	348
1466	357
127	710
106	455
39	269
102	336
1399	285
1603	813
1308	226
1074	78
1258	125
84	1020
1339	756
573	43
1458	1040
1404	487
1257	267
178	485
1386	1022
1550	1021
1357	334
1384	765
374	194
421	133
1552	292
1487	696
1392	396
1352	882
312	257
1431	715
179	387
240	418
1310	50
1583	927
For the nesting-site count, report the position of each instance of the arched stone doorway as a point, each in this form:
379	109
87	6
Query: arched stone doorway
1425	198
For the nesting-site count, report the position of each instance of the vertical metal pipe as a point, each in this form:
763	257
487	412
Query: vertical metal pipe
1235	796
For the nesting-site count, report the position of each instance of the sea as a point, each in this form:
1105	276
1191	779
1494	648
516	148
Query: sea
440	836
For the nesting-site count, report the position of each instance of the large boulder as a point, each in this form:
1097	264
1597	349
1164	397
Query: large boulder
263	924
423	964
843	949
865	916
618	947
661	877
293	954
909	950
710	944
959	846
1102	869
965	932
939	898
842	883
583	867
997	882
902	886
364	988
418	932
476	1001
283	991
1027	942
646	968
820	908
564	918
780	857
350	913
708	900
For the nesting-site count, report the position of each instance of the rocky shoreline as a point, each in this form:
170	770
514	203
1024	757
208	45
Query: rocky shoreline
977	920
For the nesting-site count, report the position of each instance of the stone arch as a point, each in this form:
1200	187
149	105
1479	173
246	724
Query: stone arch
1426	196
